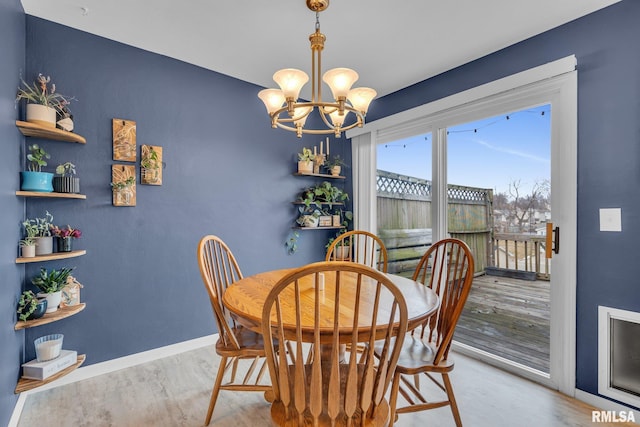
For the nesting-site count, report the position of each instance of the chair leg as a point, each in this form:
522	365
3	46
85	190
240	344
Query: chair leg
452	399
216	389
394	398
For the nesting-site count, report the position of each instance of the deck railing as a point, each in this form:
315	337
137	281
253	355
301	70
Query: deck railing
524	252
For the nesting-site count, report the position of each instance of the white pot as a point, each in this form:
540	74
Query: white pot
309	221
53	300
44	245
335	170
342	253
28	251
305	166
41	115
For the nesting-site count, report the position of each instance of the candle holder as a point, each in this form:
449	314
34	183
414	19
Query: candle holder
318	161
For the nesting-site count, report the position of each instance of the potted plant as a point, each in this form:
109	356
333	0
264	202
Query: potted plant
323	193
50	284
40	230
31	307
308	217
305	161
65	236
122	191
34	179
43	102
66	182
150	165
28	247
342	250
28	244
335	165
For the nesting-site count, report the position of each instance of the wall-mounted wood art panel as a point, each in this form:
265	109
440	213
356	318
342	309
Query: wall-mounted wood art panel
123	182
151	164
124	140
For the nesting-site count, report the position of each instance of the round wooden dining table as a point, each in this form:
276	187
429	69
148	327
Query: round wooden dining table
245	298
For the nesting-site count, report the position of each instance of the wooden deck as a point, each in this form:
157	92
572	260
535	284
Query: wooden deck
509	318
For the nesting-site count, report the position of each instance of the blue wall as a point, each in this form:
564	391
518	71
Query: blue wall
605	44
142	285
227	173
12	33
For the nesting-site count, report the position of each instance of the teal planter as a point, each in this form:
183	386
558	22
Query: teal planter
37	181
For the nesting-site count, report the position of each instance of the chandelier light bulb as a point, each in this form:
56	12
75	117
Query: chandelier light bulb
340	81
291	81
336	119
289	114
272	98
361	97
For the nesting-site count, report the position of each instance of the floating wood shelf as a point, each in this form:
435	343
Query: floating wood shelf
321	175
51	257
32	129
25	384
50	194
320	203
317	228
62	313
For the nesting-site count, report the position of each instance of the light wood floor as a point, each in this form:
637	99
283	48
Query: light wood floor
175	391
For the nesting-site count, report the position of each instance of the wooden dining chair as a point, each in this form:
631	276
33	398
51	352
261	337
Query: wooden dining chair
325	389
360	246
219	269
446	268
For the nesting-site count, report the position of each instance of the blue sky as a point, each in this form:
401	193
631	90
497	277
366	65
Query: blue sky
487	153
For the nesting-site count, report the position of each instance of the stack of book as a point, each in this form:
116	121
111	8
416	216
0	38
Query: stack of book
42	370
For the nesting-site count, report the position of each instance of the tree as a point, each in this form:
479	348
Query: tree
522	206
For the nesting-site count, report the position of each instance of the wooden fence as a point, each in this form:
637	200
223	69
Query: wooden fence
404	219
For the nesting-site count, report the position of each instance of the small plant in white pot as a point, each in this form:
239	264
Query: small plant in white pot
34	179
40	230
28	247
50	284
305	161
43	102
335	165
66	182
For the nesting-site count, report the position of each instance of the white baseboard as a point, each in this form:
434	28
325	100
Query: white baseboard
113	365
602	403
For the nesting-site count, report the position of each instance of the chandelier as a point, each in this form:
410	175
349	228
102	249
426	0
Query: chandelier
287	113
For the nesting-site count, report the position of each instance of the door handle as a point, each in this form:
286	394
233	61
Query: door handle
552	241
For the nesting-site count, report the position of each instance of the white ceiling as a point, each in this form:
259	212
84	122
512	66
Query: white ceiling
392	44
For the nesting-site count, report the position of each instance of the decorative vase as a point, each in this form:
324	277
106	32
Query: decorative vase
53	300
335	170
28	251
65	244
66	184
41	115
305	166
65	124
44	245
36	181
